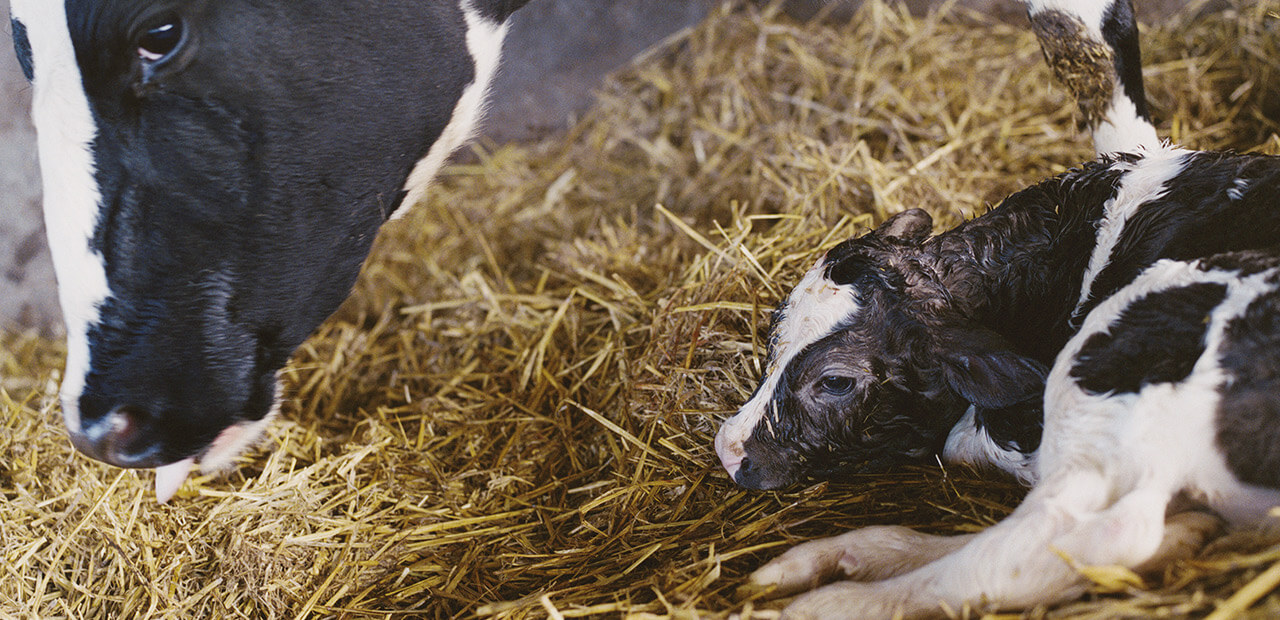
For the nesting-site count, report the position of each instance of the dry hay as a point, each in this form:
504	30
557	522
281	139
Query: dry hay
512	417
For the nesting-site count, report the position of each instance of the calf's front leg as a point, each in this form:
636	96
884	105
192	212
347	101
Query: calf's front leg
866	554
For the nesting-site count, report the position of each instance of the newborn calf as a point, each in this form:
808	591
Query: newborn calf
896	347
996	351
1152	284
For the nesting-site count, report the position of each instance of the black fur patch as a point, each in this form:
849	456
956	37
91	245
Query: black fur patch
1029	252
1157	339
1016	427
1248	417
1120	31
22	47
498	10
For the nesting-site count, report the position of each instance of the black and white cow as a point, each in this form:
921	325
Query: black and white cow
214	174
1155	278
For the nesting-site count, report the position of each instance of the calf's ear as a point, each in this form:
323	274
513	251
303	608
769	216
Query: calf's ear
912	224
980	366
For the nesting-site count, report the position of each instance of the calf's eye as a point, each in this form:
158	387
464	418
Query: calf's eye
158	42
836	385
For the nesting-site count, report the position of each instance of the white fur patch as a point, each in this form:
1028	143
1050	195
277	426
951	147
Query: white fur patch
1237	189
1143	182
1136	438
814	309
969	445
1210	476
484	42
66	131
1122	130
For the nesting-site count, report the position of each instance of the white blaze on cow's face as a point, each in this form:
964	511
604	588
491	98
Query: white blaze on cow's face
211	193
816	307
72	199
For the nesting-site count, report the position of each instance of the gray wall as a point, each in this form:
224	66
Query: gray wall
27	294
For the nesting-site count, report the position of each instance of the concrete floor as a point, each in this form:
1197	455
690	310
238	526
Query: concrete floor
557	53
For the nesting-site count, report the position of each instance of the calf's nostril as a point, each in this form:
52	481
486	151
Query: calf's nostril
760	477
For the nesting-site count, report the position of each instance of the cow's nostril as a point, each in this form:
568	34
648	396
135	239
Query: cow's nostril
746	473
125	437
124	422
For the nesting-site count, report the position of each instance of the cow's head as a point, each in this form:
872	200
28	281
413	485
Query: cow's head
870	365
214	174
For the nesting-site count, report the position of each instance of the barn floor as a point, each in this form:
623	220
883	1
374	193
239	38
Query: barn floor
512	416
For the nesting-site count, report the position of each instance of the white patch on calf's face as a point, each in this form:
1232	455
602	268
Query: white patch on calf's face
65	133
815	308
484	42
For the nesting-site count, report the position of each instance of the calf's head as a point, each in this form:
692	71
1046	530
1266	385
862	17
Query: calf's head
870	363
214	174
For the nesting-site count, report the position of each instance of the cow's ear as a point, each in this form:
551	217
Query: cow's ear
982	368
497	10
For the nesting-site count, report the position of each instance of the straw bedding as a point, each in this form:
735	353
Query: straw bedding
512	416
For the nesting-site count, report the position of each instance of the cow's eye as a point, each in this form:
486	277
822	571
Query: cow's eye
159	41
836	385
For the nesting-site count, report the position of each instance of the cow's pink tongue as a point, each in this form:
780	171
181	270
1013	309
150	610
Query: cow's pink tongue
170	477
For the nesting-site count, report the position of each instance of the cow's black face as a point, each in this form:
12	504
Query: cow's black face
215	172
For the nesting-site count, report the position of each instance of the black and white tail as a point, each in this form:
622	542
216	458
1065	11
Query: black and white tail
1092	48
